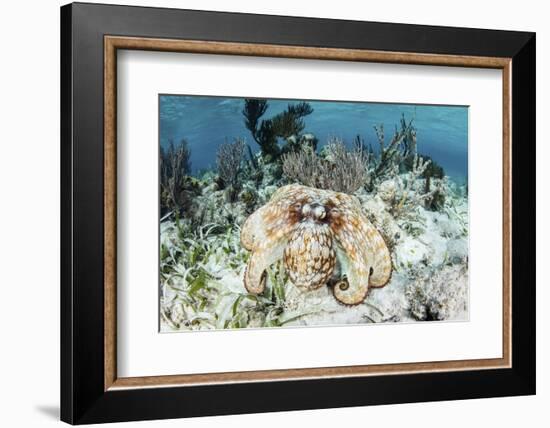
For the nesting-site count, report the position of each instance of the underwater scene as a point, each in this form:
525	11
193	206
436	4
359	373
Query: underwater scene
294	213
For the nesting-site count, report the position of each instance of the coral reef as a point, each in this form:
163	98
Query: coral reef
405	192
355	207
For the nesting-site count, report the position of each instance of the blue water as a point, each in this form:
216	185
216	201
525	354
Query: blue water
207	122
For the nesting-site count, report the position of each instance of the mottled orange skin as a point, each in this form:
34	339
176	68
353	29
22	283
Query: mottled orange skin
312	230
309	255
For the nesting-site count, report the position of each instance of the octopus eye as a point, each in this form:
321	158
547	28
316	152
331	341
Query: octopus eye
306	210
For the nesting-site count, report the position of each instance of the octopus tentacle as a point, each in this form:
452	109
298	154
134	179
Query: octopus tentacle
272	221
355	257
262	257
349	225
381	258
354	285
265	234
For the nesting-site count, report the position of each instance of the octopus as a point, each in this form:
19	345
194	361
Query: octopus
323	237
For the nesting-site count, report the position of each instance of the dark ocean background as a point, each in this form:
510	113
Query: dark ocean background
207	122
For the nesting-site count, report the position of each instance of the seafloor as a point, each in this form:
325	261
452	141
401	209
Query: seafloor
202	262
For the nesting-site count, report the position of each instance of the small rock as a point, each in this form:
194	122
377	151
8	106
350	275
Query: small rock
457	250
387	190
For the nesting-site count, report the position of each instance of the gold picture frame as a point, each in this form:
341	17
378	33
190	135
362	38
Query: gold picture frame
114	43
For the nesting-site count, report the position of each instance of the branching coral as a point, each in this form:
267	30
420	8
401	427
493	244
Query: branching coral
400	157
175	165
295	143
401	147
283	125
262	131
405	192
228	161
436	197
291	122
340	170
302	167
346	170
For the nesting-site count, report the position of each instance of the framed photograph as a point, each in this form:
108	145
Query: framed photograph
265	213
